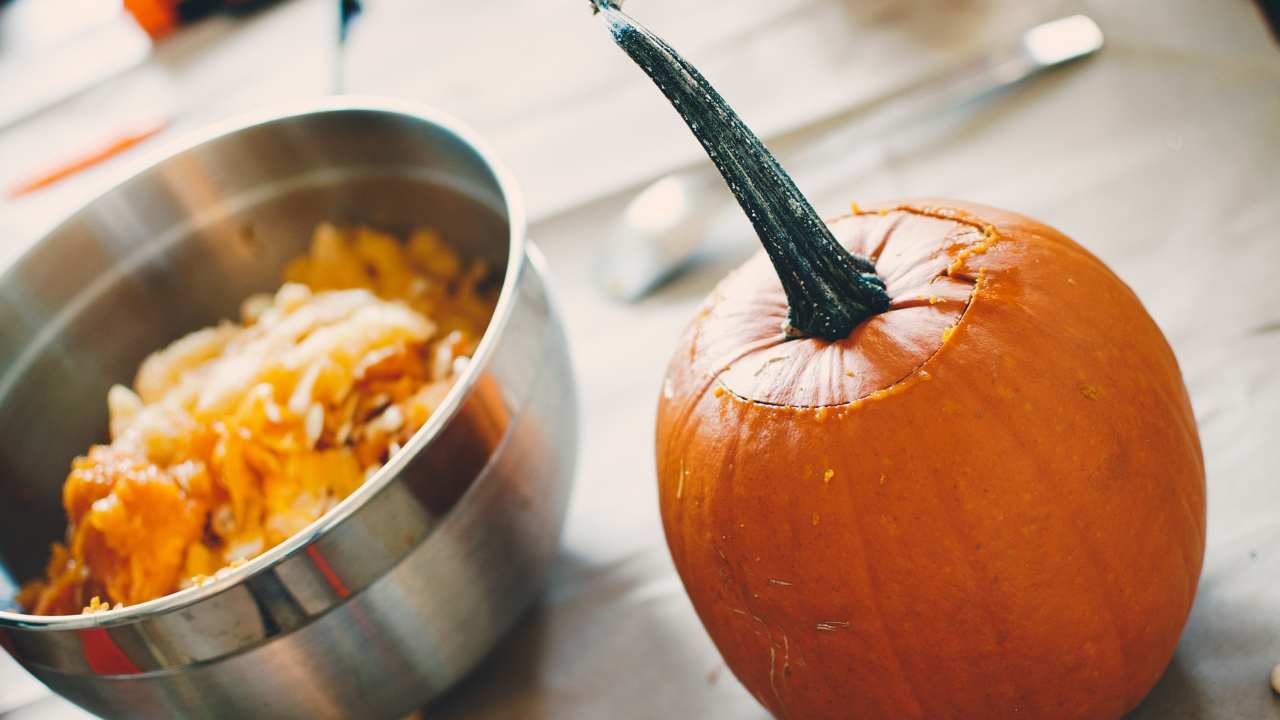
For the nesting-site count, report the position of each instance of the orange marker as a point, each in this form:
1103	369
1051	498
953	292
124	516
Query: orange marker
88	160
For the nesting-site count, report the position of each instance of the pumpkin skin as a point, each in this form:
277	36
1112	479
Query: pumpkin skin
987	502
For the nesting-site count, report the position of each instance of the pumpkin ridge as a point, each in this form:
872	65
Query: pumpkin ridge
981	573
1174	402
883	624
1092	557
1188	563
1193	567
683	418
964	217
724	517
714	375
875	253
990	236
1177	399
1095	564
937	213
916	374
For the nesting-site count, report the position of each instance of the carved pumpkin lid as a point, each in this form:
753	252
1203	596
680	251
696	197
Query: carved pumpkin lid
915	253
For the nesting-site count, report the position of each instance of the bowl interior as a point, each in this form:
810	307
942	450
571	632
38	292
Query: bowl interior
178	247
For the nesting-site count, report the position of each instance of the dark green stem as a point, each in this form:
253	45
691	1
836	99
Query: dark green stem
829	289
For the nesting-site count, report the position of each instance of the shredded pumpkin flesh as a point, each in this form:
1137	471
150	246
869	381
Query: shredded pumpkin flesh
237	436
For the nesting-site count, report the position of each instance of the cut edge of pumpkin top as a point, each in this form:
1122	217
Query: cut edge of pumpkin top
930	287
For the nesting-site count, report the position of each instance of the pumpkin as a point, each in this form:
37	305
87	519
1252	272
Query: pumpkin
929	460
986	502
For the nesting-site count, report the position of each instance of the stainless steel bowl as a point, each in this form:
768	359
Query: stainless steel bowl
389	599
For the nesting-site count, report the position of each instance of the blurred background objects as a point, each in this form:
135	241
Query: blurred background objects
51	49
1159	154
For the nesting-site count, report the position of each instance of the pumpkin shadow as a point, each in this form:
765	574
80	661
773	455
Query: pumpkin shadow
1231	641
1176	697
505	680
608	639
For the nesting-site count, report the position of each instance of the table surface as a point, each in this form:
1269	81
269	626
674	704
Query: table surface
1161	155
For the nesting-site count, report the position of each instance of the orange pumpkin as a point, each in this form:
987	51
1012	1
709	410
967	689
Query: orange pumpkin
985	502
930	460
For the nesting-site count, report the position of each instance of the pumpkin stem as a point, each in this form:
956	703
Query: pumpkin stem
829	289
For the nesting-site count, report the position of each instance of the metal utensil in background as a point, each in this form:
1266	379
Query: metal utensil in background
662	229
347	12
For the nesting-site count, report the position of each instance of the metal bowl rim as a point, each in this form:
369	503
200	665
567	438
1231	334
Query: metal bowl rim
517	256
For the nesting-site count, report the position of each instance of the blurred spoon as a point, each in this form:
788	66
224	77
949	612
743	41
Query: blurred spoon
663	227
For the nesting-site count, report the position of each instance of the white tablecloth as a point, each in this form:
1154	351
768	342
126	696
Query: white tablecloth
1162	155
